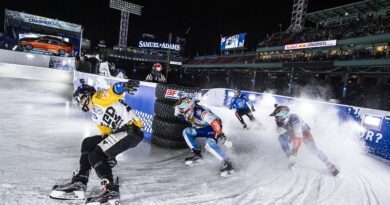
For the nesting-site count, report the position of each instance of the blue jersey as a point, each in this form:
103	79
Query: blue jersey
241	103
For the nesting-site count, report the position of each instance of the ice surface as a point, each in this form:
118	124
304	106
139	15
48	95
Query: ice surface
40	143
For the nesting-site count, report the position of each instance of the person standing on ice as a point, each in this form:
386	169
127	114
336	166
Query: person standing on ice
204	124
156	75
296	132
243	107
120	130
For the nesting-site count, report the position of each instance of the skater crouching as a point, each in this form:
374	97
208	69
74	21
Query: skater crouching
204	124
120	130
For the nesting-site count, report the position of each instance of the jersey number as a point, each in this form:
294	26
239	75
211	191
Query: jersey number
111	119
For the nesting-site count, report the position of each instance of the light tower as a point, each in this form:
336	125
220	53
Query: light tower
126	9
298	16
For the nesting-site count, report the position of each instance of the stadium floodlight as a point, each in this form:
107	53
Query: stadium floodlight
252	97
372	122
126	9
298	16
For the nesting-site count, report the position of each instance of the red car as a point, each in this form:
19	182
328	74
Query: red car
48	44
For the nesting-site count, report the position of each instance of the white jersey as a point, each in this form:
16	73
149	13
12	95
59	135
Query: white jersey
111	113
113	116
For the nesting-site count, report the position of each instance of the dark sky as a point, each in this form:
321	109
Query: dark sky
207	19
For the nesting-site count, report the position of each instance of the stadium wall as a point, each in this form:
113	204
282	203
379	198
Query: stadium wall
376	140
38	60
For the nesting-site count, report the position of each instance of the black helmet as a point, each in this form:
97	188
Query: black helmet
82	96
237	93
281	114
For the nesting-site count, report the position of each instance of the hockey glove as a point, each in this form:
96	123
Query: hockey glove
227	143
131	86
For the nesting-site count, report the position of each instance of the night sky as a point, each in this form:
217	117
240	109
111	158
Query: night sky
207	20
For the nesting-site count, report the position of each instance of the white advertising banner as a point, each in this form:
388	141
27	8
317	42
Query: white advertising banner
43	21
316	44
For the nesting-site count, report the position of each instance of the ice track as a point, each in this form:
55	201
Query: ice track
40	145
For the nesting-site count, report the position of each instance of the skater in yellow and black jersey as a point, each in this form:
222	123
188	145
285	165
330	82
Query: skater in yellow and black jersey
120	130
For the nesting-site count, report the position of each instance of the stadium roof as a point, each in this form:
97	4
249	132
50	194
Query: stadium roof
361	7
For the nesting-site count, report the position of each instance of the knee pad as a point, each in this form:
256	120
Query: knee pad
189	132
99	162
189	135
211	142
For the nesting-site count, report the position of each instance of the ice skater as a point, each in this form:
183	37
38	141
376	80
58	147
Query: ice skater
243	107
204	124
296	132
120	130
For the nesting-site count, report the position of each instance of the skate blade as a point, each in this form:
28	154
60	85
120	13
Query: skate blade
192	163
189	163
113	202
61	195
109	202
227	173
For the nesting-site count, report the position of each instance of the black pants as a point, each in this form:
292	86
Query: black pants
246	112
96	150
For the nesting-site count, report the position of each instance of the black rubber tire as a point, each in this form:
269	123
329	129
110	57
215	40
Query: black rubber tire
170	130
165	110
161	89
170	144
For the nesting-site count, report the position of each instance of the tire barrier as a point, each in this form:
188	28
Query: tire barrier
165	110
167	128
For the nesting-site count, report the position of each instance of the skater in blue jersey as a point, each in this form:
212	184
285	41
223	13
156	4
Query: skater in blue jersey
243	107
204	124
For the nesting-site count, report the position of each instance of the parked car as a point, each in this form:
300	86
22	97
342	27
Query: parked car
48	44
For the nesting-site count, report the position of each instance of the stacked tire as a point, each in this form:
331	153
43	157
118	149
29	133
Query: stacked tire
167	128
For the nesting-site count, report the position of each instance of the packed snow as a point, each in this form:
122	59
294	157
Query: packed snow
41	134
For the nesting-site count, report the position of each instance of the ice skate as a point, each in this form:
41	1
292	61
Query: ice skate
333	170
72	190
227	169
292	166
292	162
110	194
189	161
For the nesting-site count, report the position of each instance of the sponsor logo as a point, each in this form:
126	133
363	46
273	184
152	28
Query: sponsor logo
97	110
144	44
199	113
172	94
310	45
40	21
